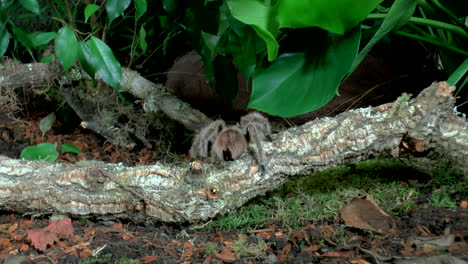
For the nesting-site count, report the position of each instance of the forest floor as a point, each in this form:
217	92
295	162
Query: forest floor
301	222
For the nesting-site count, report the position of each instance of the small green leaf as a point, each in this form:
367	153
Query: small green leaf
4	39
115	8
46	123
90	10
66	47
84	54
142	39
47	59
458	75
23	37
68	148
44	151
141	6
41	38
102	62
31	5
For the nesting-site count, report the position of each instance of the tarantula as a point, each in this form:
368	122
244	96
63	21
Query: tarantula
228	143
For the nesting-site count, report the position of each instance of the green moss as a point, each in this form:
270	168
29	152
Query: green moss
321	195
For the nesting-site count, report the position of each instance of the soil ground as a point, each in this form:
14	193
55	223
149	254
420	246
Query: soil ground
327	241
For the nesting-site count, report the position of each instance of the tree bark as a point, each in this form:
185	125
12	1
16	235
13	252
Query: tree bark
424	126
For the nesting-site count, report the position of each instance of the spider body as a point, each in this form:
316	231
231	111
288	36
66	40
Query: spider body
229	143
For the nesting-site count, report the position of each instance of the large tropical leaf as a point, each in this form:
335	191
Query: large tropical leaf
296	83
336	16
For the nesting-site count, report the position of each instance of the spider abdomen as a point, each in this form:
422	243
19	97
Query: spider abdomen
230	144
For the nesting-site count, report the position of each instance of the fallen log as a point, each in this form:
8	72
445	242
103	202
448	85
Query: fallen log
426	126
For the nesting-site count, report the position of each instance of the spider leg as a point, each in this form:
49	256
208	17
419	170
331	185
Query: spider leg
255	136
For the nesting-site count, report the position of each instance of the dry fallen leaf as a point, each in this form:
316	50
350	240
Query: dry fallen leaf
57	229
363	213
226	255
148	259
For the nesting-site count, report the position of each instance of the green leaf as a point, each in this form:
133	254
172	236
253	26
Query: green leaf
4	39
100	60
458	74
226	78
46	123
115	8
336	16
31	5
41	38
241	43
170	5
142	39
44	151
47	59
22	37
262	18
66	47
68	148
400	12
84	54
90	10
297	83
141	7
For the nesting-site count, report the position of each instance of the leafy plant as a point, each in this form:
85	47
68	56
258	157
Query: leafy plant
47	151
44	151
289	75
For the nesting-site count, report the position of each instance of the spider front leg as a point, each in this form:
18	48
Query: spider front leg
257	128
204	140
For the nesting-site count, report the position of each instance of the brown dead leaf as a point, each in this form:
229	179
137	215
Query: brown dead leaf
23	247
117	226
229	243
108	147
359	261
298	236
339	253
12	228
363	213
313	248
127	237
264	235
208	260
425	231
464	204
86	253
226	255
148	259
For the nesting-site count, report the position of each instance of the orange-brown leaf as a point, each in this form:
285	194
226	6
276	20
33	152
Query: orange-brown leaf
148	259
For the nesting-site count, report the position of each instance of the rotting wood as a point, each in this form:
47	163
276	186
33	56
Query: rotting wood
424	126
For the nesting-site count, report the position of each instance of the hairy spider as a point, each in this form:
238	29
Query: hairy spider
228	143
203	141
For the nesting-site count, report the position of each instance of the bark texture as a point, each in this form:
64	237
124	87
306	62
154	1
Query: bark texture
424	126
